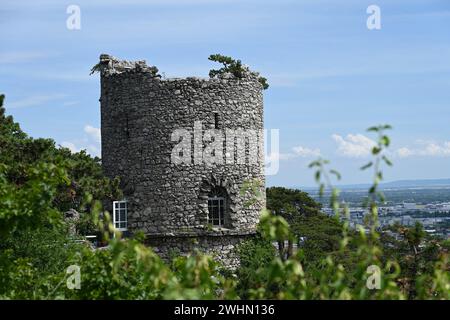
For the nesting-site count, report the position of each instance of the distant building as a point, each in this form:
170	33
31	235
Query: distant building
409	205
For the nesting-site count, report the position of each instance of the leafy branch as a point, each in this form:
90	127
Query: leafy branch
379	154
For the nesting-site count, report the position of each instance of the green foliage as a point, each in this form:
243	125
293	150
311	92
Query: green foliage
38	182
378	151
320	236
232	66
124	270
416	252
21	155
46	248
30	204
291	203
86	178
198	277
262	254
273	227
229	65
19	279
127	269
298	209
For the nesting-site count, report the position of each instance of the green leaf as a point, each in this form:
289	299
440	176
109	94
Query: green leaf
376	150
387	161
385	140
317	176
367	166
336	173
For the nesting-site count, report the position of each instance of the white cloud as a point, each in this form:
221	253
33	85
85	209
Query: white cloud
274	157
93	132
354	145
94	150
404	152
90	143
297	152
426	149
306	152
71	146
77	146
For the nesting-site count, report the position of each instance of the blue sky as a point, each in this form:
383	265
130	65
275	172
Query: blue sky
330	76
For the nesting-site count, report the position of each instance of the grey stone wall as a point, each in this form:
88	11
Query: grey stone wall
169	201
222	247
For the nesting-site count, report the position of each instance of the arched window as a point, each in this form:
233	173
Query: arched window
217	208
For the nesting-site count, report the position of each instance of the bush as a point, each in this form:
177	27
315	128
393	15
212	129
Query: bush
255	255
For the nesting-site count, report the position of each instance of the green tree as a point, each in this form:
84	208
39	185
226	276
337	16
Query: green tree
294	206
20	153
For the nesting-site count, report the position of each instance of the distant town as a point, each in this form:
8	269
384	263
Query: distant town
434	217
405	205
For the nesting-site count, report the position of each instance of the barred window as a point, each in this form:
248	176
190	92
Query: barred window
216	208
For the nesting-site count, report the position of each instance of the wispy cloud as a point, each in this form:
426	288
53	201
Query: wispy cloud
73	75
21	57
70	103
293	78
35	100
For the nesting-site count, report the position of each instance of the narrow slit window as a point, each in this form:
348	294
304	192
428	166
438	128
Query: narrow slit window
216	120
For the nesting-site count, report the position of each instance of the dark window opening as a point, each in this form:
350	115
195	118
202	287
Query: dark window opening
216	208
216	120
218	202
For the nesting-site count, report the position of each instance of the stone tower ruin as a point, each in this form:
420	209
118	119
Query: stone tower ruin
183	149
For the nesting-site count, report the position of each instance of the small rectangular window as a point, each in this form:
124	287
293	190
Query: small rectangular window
120	215
216	209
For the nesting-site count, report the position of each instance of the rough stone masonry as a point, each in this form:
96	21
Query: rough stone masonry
171	202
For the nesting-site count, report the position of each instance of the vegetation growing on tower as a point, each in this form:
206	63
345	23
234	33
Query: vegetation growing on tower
235	67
